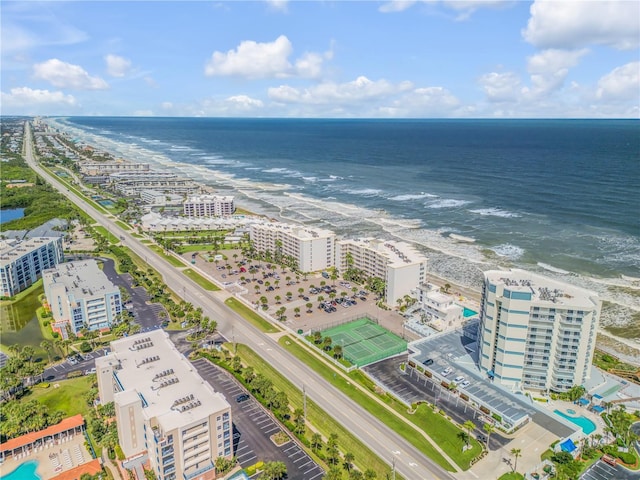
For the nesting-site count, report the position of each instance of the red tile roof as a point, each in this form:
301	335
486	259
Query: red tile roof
75	473
29	438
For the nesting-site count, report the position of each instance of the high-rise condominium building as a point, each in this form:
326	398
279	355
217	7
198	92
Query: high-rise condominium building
81	294
311	248
22	263
164	408
536	333
397	263
209	206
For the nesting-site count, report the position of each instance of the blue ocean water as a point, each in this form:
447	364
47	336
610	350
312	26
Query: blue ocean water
553	195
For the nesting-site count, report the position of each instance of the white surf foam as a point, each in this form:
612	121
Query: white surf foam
448	203
512	252
364	192
495	212
411	196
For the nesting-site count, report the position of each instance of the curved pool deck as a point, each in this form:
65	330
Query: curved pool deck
587	426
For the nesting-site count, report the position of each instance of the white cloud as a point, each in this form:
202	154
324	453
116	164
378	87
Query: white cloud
244	102
464	8
423	102
622	83
501	87
266	60
549	68
396	6
253	60
65	75
25	99
345	93
280	5
117	66
576	24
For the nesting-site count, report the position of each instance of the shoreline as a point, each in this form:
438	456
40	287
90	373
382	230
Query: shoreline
466	277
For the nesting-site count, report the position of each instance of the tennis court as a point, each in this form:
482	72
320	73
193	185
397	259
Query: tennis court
364	342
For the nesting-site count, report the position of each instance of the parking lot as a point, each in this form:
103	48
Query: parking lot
458	353
253	427
272	283
603	471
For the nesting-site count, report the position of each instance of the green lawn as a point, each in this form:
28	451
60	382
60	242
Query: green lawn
146	242
437	427
123	225
67	398
168	257
200	280
252	317
364	458
106	234
19	296
512	476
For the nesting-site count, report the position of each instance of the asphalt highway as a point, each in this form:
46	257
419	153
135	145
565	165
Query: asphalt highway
388	445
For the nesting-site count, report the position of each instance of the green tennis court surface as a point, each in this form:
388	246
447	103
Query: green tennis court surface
364	342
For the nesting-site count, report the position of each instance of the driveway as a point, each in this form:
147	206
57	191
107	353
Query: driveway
253	427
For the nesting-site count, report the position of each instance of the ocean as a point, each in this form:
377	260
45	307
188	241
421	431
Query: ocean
560	197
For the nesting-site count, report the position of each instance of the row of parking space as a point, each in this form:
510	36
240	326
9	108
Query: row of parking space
253	427
603	471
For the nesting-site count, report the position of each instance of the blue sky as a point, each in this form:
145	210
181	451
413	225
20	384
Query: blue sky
395	59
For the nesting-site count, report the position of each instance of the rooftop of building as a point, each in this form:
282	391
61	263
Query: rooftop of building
81	279
541	288
11	250
153	370
398	253
299	231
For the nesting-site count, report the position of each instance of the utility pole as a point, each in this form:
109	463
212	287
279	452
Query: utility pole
304	401
393	470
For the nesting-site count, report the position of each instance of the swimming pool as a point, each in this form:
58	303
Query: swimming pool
467	312
588	427
26	471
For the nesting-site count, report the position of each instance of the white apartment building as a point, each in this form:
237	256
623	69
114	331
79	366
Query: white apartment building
164	408
437	307
397	263
22	263
209	206
153	197
98	168
80	294
312	248
536	333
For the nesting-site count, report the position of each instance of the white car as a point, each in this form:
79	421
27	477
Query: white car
445	372
459	379
465	384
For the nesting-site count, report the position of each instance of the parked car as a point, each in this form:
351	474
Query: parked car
428	361
242	398
459	379
445	372
465	384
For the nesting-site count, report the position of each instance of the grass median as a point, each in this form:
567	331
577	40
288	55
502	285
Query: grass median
251	316
443	432
323	423
123	225
167	256
200	280
111	238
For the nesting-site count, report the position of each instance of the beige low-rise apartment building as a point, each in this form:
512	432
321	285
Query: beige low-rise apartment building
164	409
311	248
397	263
536	333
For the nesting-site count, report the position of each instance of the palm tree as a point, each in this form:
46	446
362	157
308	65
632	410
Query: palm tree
317	336
469	426
516	452
370	474
487	427
299	420
327	343
348	461
464	436
297	311
316	441
309	305
337	351
47	346
274	470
